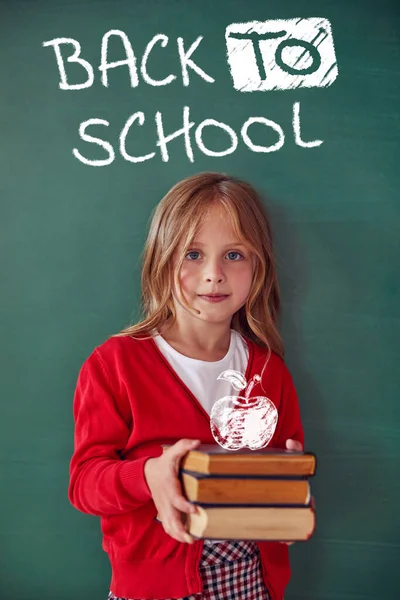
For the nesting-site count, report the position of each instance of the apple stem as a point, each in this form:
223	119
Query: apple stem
250	386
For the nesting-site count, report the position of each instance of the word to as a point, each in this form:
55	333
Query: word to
281	54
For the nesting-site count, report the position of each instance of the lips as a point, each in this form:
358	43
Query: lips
215	298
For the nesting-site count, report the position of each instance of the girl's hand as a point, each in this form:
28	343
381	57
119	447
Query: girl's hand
292	445
161	474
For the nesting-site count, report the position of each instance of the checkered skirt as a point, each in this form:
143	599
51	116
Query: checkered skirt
229	570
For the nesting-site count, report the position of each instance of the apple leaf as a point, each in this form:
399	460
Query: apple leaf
235	377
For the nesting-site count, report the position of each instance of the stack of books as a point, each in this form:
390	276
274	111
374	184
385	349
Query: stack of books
249	494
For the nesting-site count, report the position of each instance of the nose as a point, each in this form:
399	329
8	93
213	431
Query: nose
213	271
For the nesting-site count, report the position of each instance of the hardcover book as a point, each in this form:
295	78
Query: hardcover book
257	523
213	459
244	489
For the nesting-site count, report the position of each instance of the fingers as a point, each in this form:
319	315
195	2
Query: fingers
294	445
175	526
173	515
287	543
173	505
180	448
179	502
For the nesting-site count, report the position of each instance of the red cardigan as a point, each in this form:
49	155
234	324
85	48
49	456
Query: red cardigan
128	402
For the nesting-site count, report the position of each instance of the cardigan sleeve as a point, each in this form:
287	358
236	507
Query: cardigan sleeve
289	418
101	483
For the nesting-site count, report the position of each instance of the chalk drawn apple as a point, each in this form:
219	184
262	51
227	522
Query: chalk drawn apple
240	421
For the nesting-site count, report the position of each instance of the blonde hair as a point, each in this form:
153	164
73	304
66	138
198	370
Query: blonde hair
177	220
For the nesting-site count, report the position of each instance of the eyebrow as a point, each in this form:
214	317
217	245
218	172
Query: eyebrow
226	245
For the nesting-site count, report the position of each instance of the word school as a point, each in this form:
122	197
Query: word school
163	139
300	50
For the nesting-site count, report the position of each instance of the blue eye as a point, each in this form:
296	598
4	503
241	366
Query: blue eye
231	252
234	252
192	252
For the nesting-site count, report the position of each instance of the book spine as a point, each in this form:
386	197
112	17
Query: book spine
241	476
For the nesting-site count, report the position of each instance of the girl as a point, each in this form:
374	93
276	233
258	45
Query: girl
155	383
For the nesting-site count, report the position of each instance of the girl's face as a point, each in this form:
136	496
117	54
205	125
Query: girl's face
216	263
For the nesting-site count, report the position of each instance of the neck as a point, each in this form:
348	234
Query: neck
212	341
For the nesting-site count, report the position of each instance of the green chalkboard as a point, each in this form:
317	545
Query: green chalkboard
74	217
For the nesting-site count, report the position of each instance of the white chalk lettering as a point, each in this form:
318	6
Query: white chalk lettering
88	138
130	59
213	123
186	62
297	132
163	140
143	68
64	85
281	54
185	57
185	131
139	116
268	123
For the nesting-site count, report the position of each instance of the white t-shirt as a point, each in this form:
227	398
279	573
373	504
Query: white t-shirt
200	376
